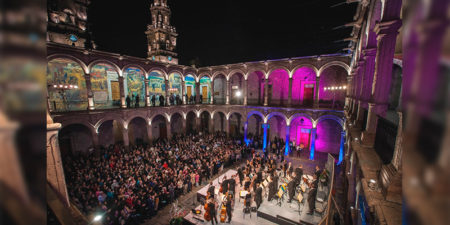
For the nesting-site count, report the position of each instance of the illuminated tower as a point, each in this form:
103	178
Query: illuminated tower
161	36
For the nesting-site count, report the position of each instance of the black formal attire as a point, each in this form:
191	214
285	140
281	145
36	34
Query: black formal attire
212	212
298	175
128	100
224	186
291	189
228	207
272	190
258	197
312	199
211	190
136	104
241	176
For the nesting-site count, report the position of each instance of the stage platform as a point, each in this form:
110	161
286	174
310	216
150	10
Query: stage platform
201	194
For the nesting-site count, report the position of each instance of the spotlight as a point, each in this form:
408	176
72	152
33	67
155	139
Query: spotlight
238	94
97	218
76	86
55	86
61	86
345	87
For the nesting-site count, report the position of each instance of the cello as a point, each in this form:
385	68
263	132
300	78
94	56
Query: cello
207	216
223	210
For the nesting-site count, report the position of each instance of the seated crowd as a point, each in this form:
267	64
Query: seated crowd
130	185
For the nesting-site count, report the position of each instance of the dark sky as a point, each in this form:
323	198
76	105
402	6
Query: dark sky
215	32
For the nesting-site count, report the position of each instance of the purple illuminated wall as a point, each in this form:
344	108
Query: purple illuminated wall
299	127
301	77
332	76
279	79
328	136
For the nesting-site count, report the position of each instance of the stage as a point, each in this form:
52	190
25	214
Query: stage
201	194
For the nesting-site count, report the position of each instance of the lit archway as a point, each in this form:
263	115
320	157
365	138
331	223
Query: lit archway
105	86
332	93
137	131
278	89
255	88
159	127
303	86
220	87
75	139
134	85
156	87
237	89
205	90
176	124
110	132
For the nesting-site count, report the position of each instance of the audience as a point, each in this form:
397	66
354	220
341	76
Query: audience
130	185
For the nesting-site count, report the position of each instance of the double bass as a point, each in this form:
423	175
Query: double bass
207	216
223	209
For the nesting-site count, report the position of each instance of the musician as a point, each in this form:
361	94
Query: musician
318	171
232	185
290	169
247	183
272	189
258	195
212	210
285	167
312	198
259	174
298	174
211	189
241	176
228	204
291	189
224	185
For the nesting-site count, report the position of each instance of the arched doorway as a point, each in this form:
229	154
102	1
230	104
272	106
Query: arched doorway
174	88
159	127
75	139
278	87
156	86
300	132
205	90
205	122
303	87
110	132
105	86
219	120
66	85
176	124
276	132
255	131
255	88
189	82
137	131
220	87
328	139
237	89
332	93
134	85
236	127
191	126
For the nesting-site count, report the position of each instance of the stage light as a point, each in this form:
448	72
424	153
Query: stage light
61	85
97	218
76	86
345	87
238	94
65	86
55	86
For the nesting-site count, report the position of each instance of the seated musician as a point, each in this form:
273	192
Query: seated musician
247	183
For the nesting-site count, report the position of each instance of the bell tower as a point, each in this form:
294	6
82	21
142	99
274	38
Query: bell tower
161	36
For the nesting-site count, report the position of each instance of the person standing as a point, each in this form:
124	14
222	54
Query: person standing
312	199
136	104
258	195
128	100
291	190
228	207
212	210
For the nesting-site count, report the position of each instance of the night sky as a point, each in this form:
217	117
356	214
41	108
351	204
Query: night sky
227	31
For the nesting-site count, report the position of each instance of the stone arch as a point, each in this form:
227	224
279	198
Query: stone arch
270	115
235	71
217	111
90	126
304	86
339	120
65	56
205	120
278	68
75	137
105	61
158	70
256	113
335	63
176	71
108	117
305	65
158	129
332	85
219	119
204	74
235	123
191	121
175	119
295	116
127	122
138	131
205	88
278	80
255	87
220	86
136	66
217	73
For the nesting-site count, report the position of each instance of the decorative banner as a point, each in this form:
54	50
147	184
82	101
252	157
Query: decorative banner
156	84
135	82
102	77
175	83
115	91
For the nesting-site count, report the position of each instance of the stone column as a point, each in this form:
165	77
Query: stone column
166	82
184	126
313	142
149	133
212	92
348	97
122	93
341	148
286	148
245	91
211	126
90	96
245	132
366	84
169	130
398	149
147	94
227	127
316	96
95	140
55	170
228	92
357	92
183	92
265	136
197	92
126	140
266	91
198	123
386	37
290	92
